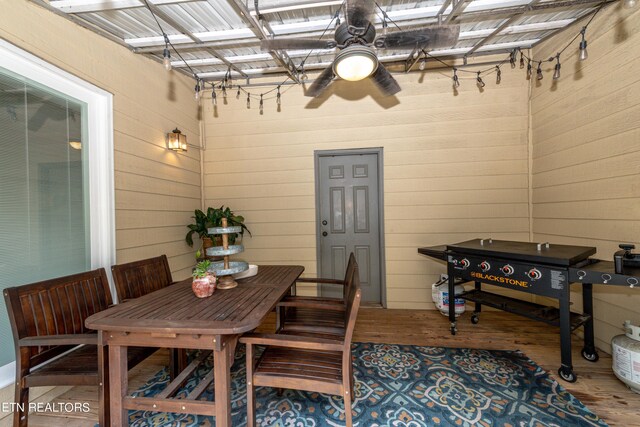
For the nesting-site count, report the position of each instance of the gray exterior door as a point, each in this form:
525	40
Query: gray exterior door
348	202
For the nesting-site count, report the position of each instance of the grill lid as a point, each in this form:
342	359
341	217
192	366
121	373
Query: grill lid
553	254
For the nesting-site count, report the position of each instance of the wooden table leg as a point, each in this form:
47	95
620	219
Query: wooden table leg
222	361
103	386
118	385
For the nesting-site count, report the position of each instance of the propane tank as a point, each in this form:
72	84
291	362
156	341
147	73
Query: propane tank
440	296
626	356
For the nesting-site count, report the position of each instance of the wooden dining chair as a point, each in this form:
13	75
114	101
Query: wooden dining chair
139	278
53	346
309	363
317	314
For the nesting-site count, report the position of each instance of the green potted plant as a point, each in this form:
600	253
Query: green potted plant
213	218
204	282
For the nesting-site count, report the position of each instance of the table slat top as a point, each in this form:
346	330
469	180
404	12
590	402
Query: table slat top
175	309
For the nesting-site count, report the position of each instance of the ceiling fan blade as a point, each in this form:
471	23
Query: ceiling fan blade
296	43
358	15
385	81
321	82
433	37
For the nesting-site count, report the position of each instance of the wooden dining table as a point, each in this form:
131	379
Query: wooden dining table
174	317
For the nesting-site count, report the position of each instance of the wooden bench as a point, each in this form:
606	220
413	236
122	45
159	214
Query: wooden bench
310	362
47	320
138	278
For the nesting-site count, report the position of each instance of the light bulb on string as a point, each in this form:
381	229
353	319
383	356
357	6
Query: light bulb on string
539	71
529	69
481	83
556	73
248	100
498	75
166	54
629	4
278	101
584	54
224	91
261	105
456	80
521	60
214	97
238	93
512	58
197	90
423	63
384	25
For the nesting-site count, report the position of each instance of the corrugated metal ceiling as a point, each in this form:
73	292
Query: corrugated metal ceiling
213	35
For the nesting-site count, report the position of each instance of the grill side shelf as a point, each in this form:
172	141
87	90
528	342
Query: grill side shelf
542	313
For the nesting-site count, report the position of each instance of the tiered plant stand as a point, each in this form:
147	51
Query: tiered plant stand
225	269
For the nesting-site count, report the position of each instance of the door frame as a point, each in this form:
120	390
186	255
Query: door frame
379	152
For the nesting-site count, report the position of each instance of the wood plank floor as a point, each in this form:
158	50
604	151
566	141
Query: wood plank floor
597	387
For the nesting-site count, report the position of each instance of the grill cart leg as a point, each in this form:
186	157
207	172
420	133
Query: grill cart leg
452	299
566	370
589	350
476	313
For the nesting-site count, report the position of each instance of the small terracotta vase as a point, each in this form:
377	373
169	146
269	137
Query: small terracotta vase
203	287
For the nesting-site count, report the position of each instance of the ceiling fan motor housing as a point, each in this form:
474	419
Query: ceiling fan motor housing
346	37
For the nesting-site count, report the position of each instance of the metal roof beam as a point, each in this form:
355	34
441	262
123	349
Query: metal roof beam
444	53
176	25
263	30
89	6
457	7
465	35
502	26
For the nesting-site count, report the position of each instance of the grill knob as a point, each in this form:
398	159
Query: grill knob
465	263
507	270
485	266
535	274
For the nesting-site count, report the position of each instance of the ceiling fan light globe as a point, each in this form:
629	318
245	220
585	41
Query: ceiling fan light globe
355	63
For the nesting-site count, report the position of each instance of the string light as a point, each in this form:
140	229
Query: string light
261	105
556	73
248	100
521	60
278	100
512	59
481	83
166	54
539	72
238	93
214	96
423	63
197	89
224	92
529	69
456	80
498	75
584	54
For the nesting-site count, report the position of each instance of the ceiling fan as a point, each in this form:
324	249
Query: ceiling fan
356	39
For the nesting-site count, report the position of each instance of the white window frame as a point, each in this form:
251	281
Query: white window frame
100	153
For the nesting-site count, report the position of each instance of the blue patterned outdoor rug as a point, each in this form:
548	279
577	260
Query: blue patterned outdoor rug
403	386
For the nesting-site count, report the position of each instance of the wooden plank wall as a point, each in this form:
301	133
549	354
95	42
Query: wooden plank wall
156	190
586	156
455	167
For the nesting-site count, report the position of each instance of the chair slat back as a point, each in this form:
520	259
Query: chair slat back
56	306
348	276
139	278
351	314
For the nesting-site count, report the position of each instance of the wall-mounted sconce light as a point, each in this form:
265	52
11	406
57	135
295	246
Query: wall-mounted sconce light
176	141
76	145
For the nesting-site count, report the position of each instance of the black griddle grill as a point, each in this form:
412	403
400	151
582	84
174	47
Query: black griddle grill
541	269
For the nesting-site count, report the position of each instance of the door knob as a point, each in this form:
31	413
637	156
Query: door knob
324	222
324	233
